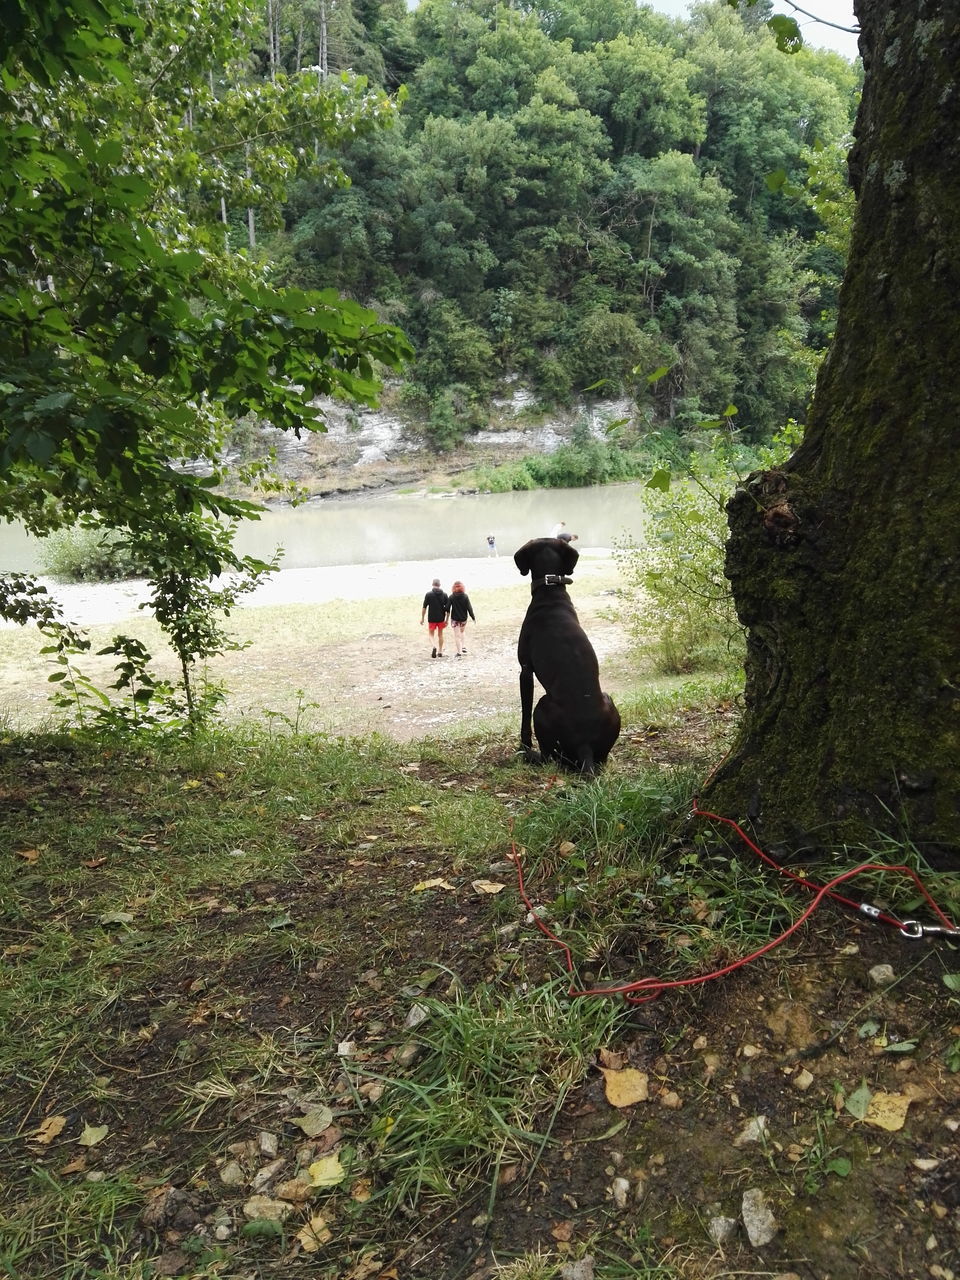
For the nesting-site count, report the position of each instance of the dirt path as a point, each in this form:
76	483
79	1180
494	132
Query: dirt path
341	649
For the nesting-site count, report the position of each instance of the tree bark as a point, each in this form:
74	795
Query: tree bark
845	564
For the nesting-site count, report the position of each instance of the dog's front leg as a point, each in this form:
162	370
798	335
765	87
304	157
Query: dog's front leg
526	713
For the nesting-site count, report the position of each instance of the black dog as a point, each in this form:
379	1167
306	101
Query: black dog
575	722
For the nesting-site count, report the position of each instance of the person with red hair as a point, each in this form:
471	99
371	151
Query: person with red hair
460	610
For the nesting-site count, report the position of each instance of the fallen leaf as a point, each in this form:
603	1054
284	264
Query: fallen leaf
436	883
327	1172
624	1088
887	1111
92	863
566	848
368	1266
859	1101
29	855
612	1059
79	1165
487	886
563	1231
92	1134
362	1190
116	917
191	784
282	921
51	1128
315	1121
314	1234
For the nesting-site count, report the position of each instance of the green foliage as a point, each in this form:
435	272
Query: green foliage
131	334
84	554
676	580
576	190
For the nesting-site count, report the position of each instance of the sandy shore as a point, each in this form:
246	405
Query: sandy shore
87	604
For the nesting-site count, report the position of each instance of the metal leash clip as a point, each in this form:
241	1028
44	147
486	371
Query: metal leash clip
914	929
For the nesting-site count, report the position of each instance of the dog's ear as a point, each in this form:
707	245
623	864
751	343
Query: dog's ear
521	558
570	557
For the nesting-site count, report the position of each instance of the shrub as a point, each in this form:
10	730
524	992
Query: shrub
677	583
81	554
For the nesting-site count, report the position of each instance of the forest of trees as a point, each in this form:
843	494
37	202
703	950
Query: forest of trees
577	195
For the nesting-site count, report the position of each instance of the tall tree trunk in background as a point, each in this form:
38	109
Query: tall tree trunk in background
845	564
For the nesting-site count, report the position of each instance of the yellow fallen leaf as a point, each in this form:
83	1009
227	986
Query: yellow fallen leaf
51	1128
314	1233
487	886
191	784
887	1111
92	1134
436	883
362	1190
624	1088
29	855
326	1172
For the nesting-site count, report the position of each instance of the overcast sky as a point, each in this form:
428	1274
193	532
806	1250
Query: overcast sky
817	34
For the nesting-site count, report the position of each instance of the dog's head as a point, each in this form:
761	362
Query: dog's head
546	555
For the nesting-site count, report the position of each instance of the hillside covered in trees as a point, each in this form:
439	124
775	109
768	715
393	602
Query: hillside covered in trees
578	196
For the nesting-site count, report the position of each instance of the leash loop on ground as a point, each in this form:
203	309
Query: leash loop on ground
644	989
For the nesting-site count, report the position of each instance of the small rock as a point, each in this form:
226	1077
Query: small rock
672	1101
926	1166
223	1231
232	1175
582	1270
882	975
418	1013
268	1144
758	1220
755	1131
952	1125
711	1065
699	1044
751	1051
722	1230
408	1054
265	1208
803	1080
267	1174
620	1190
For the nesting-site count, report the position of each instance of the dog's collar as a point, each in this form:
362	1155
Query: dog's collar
550	580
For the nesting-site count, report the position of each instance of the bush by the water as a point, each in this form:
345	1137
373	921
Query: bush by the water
89	555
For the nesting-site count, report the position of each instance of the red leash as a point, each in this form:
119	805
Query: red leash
651	987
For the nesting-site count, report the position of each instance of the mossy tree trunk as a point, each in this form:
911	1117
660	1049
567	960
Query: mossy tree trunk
845	564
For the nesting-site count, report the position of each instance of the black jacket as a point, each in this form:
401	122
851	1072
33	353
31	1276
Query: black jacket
436	604
460	606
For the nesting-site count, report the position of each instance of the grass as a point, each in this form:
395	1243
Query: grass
203	940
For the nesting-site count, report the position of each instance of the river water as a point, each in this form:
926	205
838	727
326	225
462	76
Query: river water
398	527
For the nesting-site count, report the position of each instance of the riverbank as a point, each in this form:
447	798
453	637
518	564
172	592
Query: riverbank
341	648
88	604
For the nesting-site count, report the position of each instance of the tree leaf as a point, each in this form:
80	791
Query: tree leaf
93	1134
858	1101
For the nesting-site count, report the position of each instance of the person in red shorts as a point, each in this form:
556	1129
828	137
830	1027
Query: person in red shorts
436	606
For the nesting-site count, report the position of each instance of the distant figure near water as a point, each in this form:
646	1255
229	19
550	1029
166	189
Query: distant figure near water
492	545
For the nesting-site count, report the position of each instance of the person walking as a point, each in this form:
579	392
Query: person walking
558	528
436	606
460	610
